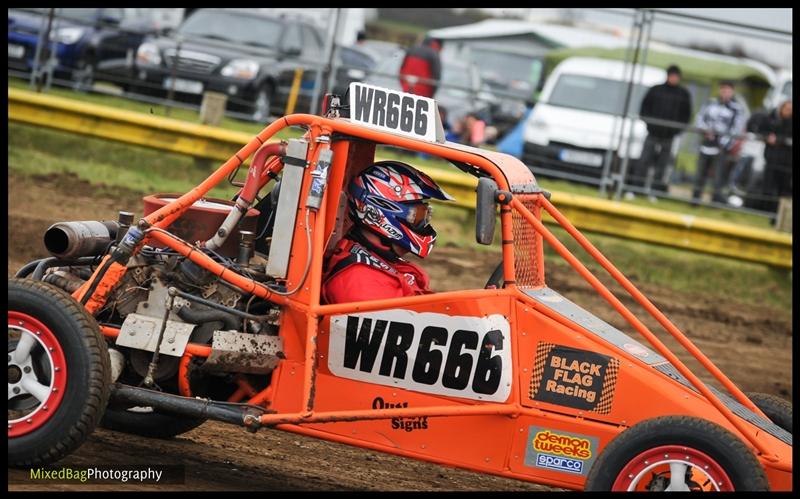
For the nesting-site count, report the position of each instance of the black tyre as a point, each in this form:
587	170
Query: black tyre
778	410
650	455
58	370
145	422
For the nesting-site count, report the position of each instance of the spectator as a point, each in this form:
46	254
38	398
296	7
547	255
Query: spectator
722	121
471	130
778	155
666	102
743	179
361	37
422	69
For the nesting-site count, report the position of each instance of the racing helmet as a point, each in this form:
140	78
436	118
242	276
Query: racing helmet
388	198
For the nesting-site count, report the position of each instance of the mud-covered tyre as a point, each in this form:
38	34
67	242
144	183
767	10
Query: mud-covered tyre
59	373
778	410
148	424
648	454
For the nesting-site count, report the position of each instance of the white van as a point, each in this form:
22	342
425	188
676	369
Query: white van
577	118
780	91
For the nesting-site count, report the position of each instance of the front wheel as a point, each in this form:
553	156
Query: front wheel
676	453
58	373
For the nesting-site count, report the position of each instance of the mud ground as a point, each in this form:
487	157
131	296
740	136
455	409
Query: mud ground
752	345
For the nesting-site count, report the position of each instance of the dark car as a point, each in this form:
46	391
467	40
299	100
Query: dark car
513	78
352	63
240	53
89	44
460	91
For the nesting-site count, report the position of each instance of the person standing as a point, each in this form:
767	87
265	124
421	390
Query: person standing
777	181
722	121
422	68
665	102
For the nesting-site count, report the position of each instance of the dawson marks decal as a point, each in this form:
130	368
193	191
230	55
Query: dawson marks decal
405	424
560	450
574	378
455	356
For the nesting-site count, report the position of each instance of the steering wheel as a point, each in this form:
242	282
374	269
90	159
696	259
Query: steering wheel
496	279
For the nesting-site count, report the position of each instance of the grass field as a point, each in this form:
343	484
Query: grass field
33	150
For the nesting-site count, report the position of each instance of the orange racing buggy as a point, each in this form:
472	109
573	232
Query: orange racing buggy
210	309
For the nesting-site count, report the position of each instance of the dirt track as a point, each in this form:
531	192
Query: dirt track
751	345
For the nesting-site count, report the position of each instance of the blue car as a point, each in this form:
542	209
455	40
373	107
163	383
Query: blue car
89	44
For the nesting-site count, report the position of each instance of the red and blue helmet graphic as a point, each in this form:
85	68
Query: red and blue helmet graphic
383	198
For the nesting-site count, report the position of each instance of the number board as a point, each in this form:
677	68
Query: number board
456	356
394	111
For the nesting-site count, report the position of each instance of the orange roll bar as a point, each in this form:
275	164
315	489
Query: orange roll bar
641	328
652	309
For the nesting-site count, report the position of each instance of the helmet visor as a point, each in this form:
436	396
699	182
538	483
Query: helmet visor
418	215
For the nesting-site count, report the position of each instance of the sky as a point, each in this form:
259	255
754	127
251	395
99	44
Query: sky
777	52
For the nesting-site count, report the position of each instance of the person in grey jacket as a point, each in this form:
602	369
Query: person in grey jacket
722	121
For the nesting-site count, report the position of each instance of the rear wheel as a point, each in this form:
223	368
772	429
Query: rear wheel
58	373
676	453
778	410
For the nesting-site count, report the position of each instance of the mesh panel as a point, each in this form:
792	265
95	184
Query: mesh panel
528	250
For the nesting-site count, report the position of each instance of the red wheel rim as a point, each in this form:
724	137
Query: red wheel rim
35	340
654	469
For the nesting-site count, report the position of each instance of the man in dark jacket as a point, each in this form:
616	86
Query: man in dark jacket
778	155
422	69
667	102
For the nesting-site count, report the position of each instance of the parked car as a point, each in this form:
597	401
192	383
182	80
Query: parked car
240	53
89	43
380	48
513	78
780	91
353	63
572	125
461	90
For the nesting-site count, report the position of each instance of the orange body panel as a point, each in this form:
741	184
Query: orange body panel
488	349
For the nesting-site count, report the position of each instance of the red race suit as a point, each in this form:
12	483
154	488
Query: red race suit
356	274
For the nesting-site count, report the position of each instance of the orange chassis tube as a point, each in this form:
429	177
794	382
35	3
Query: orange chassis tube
304	419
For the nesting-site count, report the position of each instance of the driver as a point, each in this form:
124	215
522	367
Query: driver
391	216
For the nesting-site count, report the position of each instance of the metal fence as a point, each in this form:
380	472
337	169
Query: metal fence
628	153
734	155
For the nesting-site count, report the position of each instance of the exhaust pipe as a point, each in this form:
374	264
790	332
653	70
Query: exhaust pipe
70	240
241	415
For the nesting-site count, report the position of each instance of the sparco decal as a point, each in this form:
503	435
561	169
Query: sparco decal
456	356
574	378
560	450
405	424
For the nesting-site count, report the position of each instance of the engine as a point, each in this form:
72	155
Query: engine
165	302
